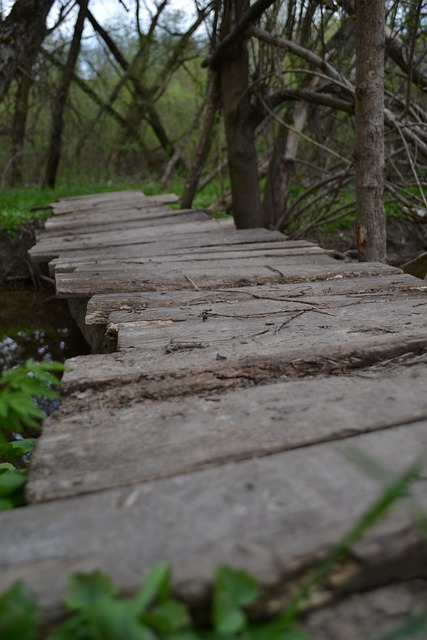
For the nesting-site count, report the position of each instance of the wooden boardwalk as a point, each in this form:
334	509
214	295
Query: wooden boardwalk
236	374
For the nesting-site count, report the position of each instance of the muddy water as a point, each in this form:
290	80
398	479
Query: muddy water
34	324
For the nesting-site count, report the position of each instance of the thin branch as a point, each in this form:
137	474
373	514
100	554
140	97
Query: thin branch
313	97
303	53
239	31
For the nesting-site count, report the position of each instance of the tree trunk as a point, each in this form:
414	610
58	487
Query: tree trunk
239	124
23	30
19	125
54	153
369	148
204	141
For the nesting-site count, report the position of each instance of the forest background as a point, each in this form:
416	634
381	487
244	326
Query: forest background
152	97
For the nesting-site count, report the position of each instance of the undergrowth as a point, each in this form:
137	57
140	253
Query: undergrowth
17	205
19	412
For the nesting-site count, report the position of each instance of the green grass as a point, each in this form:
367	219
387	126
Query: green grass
16	204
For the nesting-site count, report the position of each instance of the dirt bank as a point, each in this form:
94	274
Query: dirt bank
15	265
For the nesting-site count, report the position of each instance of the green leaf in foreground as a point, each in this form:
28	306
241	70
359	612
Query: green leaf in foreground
167	616
234	590
11	481
114	620
19	388
86	589
265	631
155	587
19	614
23	447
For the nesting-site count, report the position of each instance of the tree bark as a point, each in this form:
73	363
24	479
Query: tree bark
239	124
204	141
55	145
247	16
369	147
19	125
23	30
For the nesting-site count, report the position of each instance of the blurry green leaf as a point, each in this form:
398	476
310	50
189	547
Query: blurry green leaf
266	631
234	589
168	616
23	447
74	628
188	634
85	589
6	466
115	620
19	614
6	504
11	481
156	586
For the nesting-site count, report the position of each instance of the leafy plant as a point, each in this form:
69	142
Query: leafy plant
19	614
19	390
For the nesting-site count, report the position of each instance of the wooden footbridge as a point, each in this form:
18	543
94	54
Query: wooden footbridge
234	376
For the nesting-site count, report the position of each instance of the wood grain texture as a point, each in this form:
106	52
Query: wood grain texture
273	515
177	275
117	220
101	440
102	305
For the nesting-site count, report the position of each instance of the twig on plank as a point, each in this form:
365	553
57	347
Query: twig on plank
191	282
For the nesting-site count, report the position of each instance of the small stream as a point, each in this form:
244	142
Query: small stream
35	324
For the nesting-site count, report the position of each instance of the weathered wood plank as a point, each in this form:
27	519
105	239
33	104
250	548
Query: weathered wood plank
111	238
295	320
101	306
203	276
239	260
120	220
123	264
243	307
160	250
99	441
110	195
207	237
80	203
372	614
273	515
181	369
106	209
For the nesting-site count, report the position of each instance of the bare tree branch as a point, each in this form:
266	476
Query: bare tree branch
238	32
